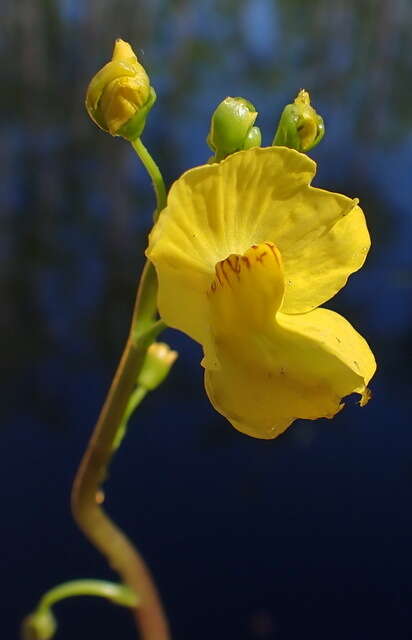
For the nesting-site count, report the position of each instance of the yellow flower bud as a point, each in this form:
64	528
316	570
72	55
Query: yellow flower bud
309	123
300	127
158	362
119	96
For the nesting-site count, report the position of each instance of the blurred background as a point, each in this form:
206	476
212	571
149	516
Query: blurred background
306	536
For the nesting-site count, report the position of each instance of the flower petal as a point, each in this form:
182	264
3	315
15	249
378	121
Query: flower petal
212	213
246	292
253	196
275	367
319	260
336	337
182	299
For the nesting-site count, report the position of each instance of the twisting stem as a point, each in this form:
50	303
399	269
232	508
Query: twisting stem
88	513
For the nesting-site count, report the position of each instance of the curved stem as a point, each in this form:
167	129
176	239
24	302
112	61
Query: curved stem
90	516
41	624
116	593
154	172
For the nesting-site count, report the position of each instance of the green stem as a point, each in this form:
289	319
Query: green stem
41	624
116	593
145	308
146	303
135	399
88	513
154	172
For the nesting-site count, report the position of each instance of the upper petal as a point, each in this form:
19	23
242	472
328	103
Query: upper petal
210	215
320	259
253	196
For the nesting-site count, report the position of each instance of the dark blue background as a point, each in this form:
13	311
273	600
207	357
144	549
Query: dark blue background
307	536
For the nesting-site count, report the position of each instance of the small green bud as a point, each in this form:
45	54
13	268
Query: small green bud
40	625
253	138
158	362
231	127
119	97
300	127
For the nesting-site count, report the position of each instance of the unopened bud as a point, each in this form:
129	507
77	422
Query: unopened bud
300	127
231	127
119	96
40	625
158	362
253	138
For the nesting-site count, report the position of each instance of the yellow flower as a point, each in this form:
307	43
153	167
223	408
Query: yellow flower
245	252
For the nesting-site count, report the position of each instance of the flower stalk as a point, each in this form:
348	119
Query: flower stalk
155	174
90	515
86	503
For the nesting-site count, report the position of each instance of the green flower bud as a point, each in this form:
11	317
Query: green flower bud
300	127
158	362
119	96
40	625
231	127
253	138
